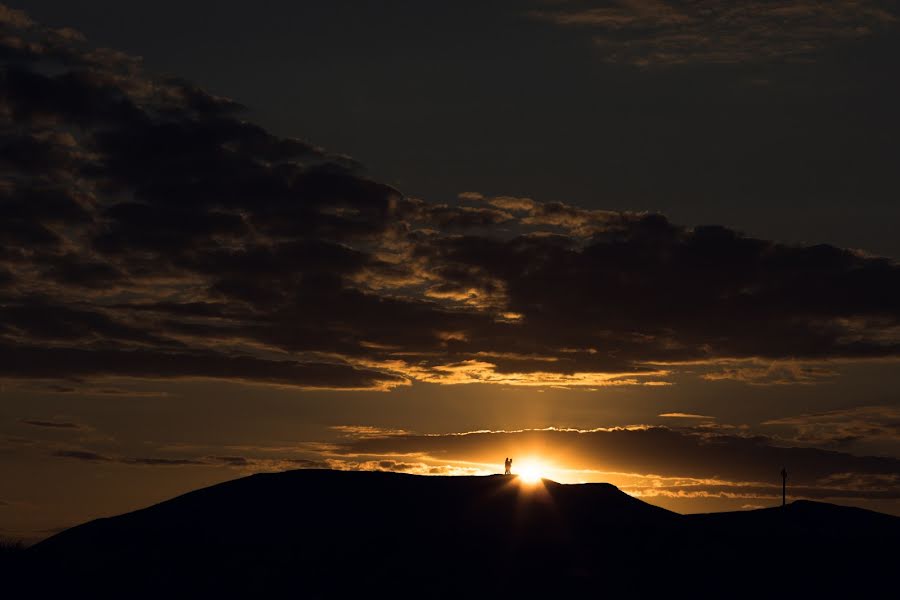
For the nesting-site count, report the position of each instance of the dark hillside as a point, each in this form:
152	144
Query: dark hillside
332	533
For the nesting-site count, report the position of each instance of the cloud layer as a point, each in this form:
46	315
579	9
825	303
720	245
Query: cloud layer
701	461
667	32
696	461
148	230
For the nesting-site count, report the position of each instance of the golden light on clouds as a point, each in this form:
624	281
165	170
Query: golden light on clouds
481	371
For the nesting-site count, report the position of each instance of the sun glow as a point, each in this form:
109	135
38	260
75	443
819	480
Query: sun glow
531	472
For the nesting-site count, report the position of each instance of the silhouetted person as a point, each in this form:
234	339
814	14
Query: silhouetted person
507	466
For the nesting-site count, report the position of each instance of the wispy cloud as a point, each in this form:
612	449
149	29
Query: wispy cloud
681	415
843	426
665	32
777	372
84	455
363	431
52	424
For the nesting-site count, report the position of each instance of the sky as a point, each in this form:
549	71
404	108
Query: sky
650	243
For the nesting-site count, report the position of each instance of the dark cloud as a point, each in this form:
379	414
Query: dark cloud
304	463
94	457
14	18
150	231
84	455
79	388
51	424
74	271
49	362
163	462
777	372
672	32
266	462
191	457
888	491
843	427
39	319
258	463
641	290
236	461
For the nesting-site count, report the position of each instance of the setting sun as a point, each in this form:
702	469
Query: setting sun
531	472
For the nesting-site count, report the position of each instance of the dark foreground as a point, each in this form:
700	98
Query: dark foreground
308	534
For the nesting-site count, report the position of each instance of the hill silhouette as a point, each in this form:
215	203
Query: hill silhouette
318	533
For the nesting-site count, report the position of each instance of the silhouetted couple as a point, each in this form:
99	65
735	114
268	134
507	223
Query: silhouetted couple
507	467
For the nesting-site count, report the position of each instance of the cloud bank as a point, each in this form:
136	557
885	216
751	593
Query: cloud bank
653	461
696	461
673	32
148	230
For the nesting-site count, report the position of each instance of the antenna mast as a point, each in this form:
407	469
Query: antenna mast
783	486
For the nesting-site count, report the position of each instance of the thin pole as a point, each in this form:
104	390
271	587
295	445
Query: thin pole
783	487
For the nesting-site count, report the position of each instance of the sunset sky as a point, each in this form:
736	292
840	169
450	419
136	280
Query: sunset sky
644	242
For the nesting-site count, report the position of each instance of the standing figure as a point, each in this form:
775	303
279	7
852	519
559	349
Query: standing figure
507	466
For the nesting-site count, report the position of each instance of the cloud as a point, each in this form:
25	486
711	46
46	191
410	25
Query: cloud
48	362
166	462
514	204
234	461
94	457
148	230
413	468
704	461
51	424
14	18
363	431
83	390
843	426
652	461
681	415
774	373
655	32
260	459
264	461
757	492
84	455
